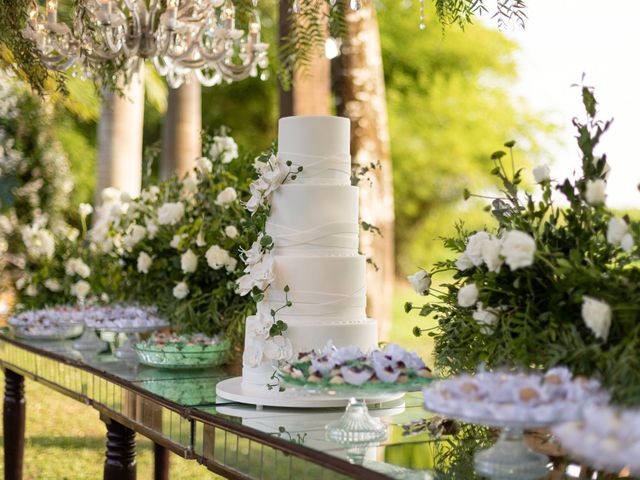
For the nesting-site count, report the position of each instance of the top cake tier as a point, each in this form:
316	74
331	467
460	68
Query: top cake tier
318	144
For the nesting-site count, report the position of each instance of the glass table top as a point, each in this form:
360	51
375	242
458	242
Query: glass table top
419	444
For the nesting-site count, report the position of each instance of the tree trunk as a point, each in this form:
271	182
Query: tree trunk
310	92
361	98
120	139
181	137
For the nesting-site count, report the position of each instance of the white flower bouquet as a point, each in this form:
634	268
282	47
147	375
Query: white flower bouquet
553	284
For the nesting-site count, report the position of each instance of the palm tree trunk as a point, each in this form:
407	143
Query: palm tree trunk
310	92
120	139
181	138
361	98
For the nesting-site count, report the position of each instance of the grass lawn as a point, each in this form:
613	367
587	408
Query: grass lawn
66	439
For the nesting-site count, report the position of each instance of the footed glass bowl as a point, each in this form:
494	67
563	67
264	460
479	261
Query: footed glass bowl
182	357
60	331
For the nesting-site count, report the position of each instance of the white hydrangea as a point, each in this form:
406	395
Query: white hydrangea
597	316
181	290
144	262
226	196
595	193
189	262
420	281
468	295
518	249
225	148
170	213
231	231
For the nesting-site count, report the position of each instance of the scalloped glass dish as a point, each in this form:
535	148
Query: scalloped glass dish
60	331
368	388
185	358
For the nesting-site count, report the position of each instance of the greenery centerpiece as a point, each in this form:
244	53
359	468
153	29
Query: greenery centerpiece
555	283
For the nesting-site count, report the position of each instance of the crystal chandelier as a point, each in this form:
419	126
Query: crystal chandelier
186	36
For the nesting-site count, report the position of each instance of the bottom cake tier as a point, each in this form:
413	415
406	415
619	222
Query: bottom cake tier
309	336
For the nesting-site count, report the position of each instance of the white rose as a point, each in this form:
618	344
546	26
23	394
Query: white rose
204	165
135	234
226	196
125	197
542	173
80	289
110	195
595	193
104	297
468	295
518	249
216	257
52	284
175	241
474	247
181	290
463	262
617	228
231	264
491	250
486	318
253	354
420	281
597	316
85	210
22	281
188	262
75	266
144	262
231	231
170	213
278	348
31	290
225	148
38	241
150	194
627	243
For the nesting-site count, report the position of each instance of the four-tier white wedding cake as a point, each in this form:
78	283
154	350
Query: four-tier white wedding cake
314	225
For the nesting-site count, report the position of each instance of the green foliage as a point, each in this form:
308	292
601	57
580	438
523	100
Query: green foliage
536	313
440	93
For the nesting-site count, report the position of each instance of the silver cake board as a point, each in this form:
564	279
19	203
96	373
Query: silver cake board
233	390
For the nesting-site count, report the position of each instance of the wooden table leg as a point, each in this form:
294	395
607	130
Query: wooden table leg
13	423
160	462
120	462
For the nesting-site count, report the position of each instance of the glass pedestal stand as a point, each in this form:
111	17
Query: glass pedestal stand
356	426
89	342
511	459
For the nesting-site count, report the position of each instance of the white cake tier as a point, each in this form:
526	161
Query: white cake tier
318	144
314	219
330	288
316	336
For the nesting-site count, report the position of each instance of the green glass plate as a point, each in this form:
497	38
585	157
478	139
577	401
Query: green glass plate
187	357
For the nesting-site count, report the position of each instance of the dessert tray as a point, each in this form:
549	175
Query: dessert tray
182	351
349	373
606	438
513	402
55	323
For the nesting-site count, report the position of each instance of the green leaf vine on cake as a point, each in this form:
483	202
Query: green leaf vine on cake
555	283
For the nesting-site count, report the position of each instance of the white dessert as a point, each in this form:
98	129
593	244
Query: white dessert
314	225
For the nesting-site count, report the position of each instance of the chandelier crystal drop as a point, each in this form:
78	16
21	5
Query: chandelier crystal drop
184	36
